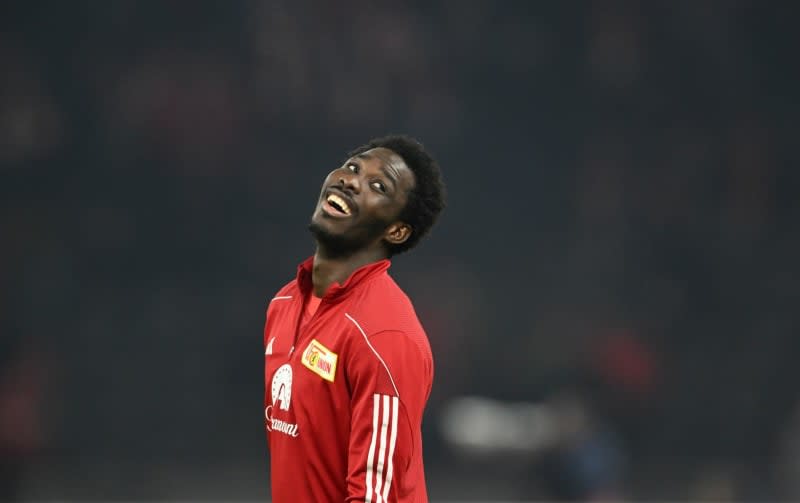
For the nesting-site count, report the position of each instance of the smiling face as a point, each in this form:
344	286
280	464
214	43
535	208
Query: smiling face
360	202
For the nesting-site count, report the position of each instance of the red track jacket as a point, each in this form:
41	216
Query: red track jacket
344	396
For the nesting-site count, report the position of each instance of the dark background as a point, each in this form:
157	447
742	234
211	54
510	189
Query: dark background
618	252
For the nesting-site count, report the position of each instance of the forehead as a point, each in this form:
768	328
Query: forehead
381	155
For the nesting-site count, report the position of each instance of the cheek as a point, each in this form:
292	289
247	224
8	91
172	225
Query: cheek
399	203
327	181
389	209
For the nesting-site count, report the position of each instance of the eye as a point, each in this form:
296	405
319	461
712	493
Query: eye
379	186
352	167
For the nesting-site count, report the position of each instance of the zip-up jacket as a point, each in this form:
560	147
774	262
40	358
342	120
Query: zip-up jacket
345	392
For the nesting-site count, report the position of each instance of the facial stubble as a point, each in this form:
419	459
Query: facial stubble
349	242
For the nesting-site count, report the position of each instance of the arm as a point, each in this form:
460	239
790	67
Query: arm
389	385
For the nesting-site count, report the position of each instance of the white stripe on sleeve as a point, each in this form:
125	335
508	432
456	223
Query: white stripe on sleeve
371	455
382	450
392	443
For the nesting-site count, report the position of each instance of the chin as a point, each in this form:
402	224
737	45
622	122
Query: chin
320	224
334	244
323	232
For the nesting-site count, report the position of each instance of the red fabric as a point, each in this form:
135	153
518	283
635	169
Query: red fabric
312	304
358	437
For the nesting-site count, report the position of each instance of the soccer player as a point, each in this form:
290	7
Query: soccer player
348	368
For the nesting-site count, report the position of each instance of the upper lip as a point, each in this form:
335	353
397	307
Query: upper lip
339	192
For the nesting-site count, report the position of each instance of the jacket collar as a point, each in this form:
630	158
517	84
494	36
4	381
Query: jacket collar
360	276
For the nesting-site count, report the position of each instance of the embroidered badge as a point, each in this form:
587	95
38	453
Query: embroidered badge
320	360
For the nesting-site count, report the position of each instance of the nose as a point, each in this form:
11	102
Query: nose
349	180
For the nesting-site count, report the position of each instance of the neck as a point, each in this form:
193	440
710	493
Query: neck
329	270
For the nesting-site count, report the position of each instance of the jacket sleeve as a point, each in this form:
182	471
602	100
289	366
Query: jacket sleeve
389	382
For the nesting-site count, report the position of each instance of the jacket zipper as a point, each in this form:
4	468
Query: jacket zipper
299	320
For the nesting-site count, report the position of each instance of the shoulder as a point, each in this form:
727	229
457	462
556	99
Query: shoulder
393	363
287	292
395	335
383	305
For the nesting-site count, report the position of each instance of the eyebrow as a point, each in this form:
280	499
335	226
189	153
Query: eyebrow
384	169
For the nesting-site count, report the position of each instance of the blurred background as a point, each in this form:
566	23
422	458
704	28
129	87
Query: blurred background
611	295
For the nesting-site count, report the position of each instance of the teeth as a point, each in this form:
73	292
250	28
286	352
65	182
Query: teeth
333	198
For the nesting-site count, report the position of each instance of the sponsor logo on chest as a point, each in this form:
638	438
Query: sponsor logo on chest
320	360
281	400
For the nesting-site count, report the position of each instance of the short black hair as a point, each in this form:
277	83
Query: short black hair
428	197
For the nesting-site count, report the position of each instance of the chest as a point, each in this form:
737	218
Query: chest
305	359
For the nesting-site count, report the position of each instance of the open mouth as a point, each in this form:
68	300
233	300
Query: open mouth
337	205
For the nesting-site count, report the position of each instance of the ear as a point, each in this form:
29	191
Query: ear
397	233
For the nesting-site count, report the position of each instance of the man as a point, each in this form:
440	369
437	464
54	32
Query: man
348	367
